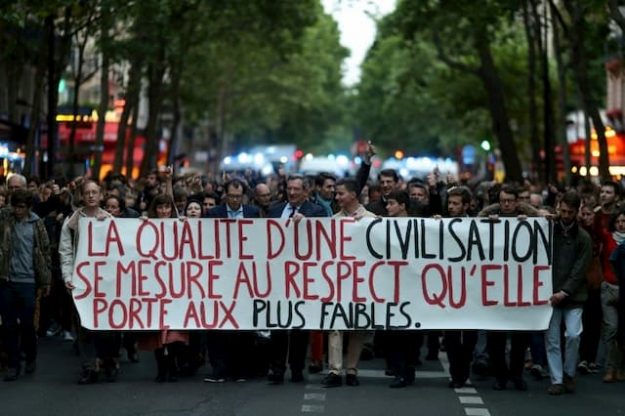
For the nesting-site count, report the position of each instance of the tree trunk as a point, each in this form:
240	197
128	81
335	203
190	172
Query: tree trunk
71	157
156	72
177	117
498	109
550	171
531	86
104	93
131	100
577	33
40	73
561	120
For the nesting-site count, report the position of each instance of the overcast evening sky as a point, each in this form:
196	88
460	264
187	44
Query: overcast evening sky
357	29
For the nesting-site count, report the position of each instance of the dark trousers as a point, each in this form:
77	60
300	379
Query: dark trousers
497	351
17	302
293	343
231	353
538	349
460	346
402	351
591	316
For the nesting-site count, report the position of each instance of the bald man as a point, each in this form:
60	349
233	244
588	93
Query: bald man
262	198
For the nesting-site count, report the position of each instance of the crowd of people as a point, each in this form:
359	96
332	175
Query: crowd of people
39	223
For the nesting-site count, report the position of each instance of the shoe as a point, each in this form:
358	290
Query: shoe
11	375
389	373
332	380
297	376
455	385
133	357
620	375
398	383
538	372
593	368
67	336
88	376
555	389
352	380
569	384
240	380
314	368
31	366
499	385
54	330
519	384
610	376
214	379
275	379
582	368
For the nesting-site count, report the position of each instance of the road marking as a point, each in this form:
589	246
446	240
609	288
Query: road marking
313	408
471	400
466	390
315	396
418	374
472	411
466	400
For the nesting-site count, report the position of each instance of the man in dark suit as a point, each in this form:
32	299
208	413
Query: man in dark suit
230	352
295	342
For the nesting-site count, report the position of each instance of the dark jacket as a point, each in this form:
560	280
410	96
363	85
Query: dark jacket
617	259
307	209
572	252
220	211
41	250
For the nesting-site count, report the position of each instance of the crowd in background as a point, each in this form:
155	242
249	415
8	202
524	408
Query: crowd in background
589	228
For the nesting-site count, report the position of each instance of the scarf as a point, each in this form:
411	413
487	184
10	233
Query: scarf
618	237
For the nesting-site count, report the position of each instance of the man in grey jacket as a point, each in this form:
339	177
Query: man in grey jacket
24	268
572	250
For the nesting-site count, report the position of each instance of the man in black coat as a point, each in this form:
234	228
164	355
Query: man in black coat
295	342
231	352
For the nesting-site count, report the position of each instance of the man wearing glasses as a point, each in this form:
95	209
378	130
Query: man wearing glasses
24	268
293	342
230	352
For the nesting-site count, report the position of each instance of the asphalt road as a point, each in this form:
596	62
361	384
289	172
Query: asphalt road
52	390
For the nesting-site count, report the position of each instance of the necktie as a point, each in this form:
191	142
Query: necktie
292	211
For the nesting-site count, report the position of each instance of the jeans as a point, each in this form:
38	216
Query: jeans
572	319
17	302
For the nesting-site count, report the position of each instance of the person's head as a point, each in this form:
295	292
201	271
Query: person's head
114	205
91	194
180	198
609	194
193	209
374	192
162	206
458	201
508	199
587	215
22	201
325	184
235	189
347	194
296	190
524	195
151	181
397	203
262	195
569	207
209	201
15	182
617	222
418	191
387	179
536	200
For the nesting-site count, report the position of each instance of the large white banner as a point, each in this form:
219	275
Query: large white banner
408	273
